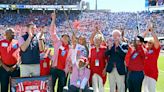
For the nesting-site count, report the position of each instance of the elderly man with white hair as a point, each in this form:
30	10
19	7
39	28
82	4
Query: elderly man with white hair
116	66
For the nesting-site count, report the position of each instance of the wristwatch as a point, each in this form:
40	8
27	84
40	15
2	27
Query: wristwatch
40	39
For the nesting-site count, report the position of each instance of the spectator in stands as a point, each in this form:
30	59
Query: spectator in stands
152	2
62	56
98	62
30	46
116	65
150	64
136	65
80	76
1	37
9	59
160	2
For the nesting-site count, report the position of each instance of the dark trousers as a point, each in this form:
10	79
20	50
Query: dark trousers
5	78
135	81
60	75
75	89
126	80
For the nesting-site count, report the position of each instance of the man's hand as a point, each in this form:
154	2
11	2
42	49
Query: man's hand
12	69
53	16
150	27
30	34
42	32
110	44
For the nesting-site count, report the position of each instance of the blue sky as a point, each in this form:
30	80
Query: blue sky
119	5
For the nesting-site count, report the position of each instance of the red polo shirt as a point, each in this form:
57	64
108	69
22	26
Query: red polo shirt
97	61
9	52
151	67
136	62
62	56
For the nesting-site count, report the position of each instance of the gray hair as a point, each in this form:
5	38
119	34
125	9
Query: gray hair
116	31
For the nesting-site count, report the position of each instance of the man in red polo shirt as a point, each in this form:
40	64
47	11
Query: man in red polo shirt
97	62
9	59
151	67
136	65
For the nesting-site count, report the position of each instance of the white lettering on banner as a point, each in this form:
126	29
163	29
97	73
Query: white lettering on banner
50	6
31	87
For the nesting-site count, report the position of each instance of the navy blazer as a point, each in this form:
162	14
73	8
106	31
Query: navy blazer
117	56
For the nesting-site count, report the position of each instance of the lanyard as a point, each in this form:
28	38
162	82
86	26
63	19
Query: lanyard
97	52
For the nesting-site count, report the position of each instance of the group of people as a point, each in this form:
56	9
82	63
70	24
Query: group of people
79	65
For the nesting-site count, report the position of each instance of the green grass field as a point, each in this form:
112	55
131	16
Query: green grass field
160	82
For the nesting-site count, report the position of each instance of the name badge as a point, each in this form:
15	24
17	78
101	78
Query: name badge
150	51
96	62
78	82
63	52
79	48
135	55
14	46
44	64
4	45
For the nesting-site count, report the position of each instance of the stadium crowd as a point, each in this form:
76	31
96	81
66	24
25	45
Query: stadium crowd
87	47
131	23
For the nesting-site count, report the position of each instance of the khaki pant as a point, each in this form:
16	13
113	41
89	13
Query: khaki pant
116	79
97	83
149	84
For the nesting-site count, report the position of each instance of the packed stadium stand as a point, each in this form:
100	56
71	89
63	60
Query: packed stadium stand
131	23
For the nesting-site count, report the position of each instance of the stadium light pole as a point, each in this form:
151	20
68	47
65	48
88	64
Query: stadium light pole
96	4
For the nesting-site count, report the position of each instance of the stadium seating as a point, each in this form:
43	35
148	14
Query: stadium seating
107	21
